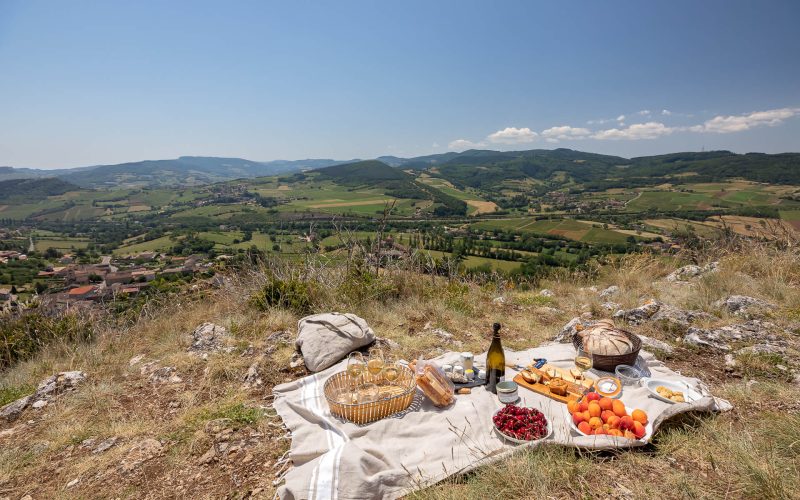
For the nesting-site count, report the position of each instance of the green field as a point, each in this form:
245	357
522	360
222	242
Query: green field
61	244
567	228
158	244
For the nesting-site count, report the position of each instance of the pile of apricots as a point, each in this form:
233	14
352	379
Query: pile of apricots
596	415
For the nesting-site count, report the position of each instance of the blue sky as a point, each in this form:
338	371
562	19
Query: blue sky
86	82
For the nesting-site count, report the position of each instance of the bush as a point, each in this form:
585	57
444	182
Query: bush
362	285
291	294
22	337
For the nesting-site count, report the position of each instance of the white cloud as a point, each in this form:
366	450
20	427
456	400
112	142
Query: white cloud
649	130
621	118
564	133
666	112
513	135
644	112
463	144
435	145
739	123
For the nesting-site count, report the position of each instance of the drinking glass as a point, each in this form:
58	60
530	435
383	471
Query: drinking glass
355	368
583	362
375	364
391	370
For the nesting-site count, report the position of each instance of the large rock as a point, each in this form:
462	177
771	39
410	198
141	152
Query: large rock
140	453
639	314
574	326
48	389
651	343
680	318
686	273
721	338
208	338
742	305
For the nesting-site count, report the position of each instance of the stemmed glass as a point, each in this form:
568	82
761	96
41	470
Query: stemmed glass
375	364
583	362
355	369
391	370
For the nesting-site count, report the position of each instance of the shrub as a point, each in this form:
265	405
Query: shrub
291	294
360	286
23	336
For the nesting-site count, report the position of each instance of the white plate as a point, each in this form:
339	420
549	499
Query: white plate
522	441
689	395
648	429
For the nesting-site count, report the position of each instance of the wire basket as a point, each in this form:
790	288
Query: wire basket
608	362
392	398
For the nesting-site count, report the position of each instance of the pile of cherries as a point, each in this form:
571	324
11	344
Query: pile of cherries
526	424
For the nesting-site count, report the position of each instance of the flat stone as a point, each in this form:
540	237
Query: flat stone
74	482
656	344
720	338
135	360
106	444
745	306
39	404
210	337
686	273
165	374
639	314
13	410
139	453
609	292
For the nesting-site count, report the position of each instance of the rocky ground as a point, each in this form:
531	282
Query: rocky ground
177	405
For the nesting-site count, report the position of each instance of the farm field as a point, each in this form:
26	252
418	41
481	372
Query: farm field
158	244
61	244
568	228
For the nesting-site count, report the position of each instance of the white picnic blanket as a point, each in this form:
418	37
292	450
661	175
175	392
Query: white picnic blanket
333	458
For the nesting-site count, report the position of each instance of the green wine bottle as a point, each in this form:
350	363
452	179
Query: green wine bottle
495	361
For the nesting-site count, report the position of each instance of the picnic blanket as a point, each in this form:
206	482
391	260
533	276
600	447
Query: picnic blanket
389	458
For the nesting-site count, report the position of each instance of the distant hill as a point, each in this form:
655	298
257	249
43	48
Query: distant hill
395	182
479	169
32	190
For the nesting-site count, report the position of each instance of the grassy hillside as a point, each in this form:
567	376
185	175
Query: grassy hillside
746	453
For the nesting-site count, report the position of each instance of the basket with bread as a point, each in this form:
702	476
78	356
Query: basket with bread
610	346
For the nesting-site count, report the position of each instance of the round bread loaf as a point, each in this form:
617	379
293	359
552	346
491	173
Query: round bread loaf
604	338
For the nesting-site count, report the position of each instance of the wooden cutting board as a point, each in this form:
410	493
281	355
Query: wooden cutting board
542	389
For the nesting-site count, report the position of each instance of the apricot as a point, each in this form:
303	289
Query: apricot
615	432
640	416
593	396
606	403
577	418
573	406
606	415
628	435
619	408
638	429
595	423
613	422
584	405
594	409
585	428
586	415
600	431
626	423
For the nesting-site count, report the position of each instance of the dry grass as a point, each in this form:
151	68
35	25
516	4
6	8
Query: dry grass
750	452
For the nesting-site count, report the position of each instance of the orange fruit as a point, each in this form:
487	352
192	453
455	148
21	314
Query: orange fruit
628	435
613	421
606	403
594	409
626	423
595	423
615	432
573	406
593	396
618	407
577	418
606	415
584	405
586	415
638	429
640	416
584	428
600	431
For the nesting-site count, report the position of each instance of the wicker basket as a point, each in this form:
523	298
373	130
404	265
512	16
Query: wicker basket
362	413
608	362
